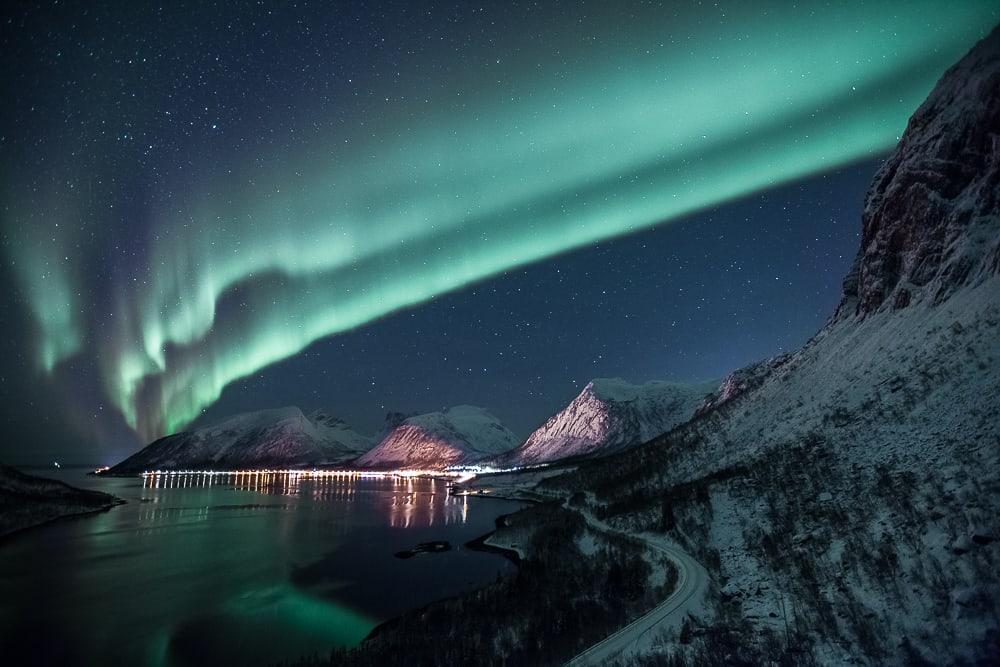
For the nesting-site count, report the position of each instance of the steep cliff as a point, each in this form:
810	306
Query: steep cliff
846	500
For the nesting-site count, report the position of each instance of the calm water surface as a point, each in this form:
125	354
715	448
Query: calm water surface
197	570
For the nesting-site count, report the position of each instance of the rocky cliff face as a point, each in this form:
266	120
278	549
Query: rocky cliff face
433	441
846	502
281	438
928	225
607	416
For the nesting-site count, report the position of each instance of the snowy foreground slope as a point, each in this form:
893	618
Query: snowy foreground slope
607	416
282	437
460	435
846	502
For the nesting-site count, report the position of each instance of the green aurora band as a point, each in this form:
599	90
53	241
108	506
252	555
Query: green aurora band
452	193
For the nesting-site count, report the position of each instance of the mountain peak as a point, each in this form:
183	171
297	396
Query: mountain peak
274	437
873	443
608	415
458	435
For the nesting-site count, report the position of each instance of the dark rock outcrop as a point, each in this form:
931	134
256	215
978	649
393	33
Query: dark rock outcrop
26	500
926	224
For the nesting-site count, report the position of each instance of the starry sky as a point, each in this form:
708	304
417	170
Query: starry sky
211	207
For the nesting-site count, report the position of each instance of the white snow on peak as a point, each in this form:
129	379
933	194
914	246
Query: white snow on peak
459	435
610	414
272	437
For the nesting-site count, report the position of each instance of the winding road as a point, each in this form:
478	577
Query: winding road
692	582
692	579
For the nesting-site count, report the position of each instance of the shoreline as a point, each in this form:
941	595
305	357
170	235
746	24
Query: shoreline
28	501
476	544
70	516
481	543
306	472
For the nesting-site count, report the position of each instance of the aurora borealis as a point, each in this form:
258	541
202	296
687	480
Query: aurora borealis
218	192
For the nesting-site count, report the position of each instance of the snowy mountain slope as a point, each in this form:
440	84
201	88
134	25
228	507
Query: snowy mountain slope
436	440
336	434
282	437
741	381
609	415
846	505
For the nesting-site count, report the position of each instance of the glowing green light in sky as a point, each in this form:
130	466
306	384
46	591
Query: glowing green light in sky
450	193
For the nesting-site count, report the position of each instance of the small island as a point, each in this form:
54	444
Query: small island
435	547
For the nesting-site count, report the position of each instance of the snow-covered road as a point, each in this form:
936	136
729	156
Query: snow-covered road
692	580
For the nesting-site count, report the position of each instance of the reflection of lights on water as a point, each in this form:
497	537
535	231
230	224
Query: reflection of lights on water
426	508
156	515
406	502
406	475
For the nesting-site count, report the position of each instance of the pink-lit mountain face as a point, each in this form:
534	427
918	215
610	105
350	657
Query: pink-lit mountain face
607	416
460	435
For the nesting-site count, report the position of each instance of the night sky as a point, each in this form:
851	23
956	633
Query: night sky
365	207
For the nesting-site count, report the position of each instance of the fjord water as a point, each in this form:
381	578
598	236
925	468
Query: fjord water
253	570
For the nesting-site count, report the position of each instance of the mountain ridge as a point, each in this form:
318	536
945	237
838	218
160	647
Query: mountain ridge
852	489
609	414
275	437
459	435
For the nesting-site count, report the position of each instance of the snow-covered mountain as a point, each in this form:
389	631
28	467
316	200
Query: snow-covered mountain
609	415
846	500
460	435
282	437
